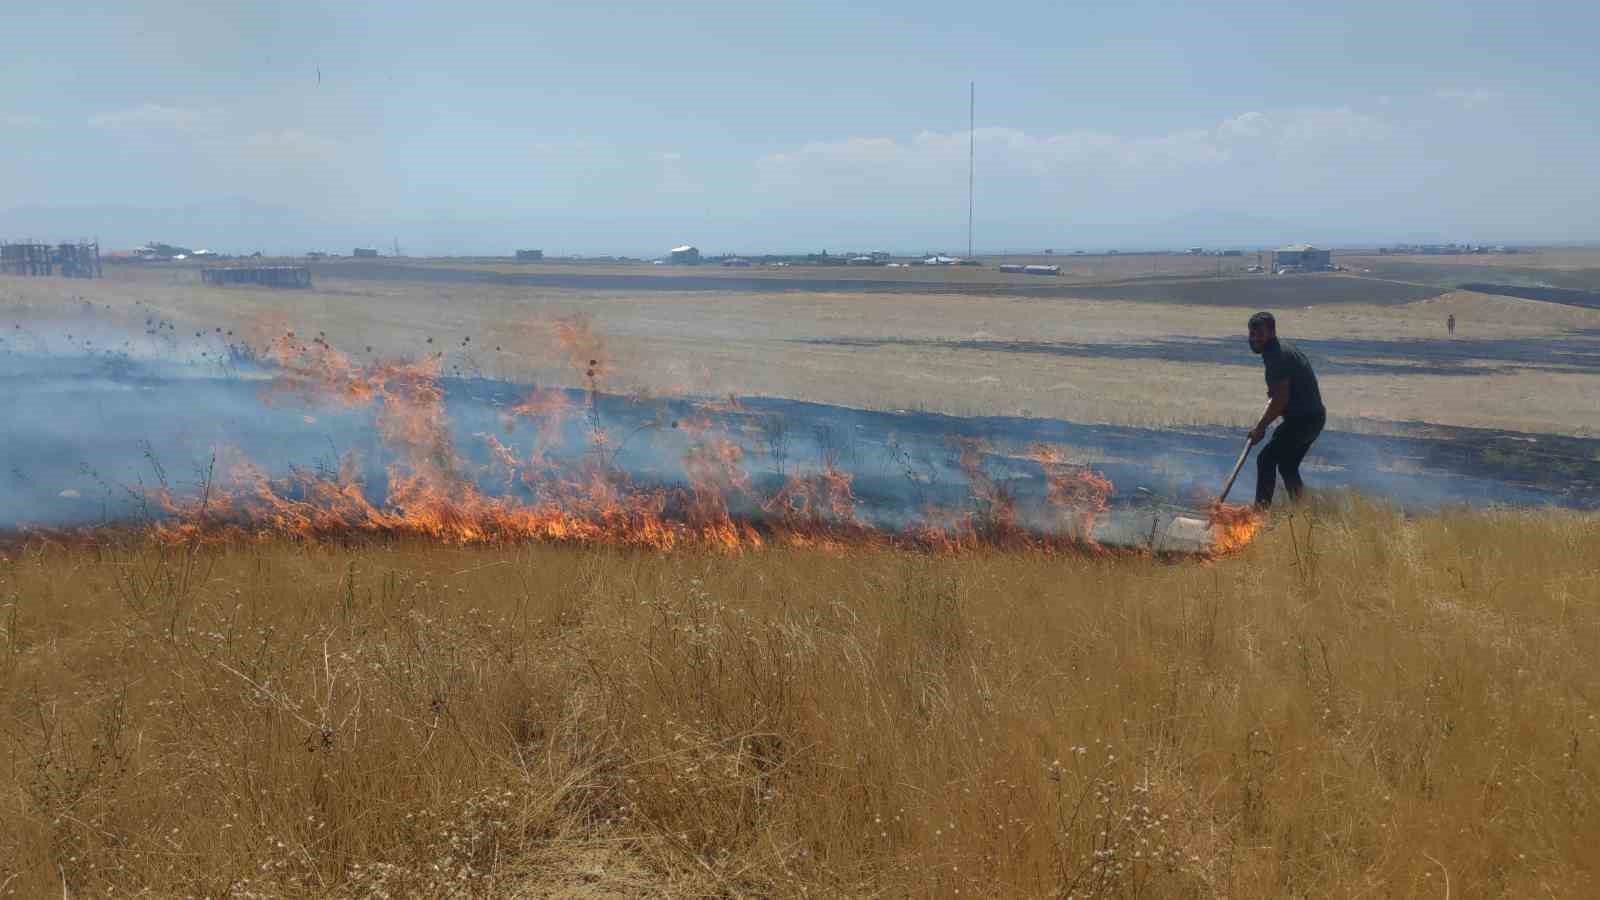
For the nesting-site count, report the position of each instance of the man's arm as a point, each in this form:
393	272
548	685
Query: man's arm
1279	392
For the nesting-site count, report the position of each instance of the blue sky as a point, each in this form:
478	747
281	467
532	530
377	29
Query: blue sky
628	127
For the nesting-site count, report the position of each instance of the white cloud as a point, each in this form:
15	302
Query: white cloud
217	150
1317	129
289	146
208	132
1303	136
158	120
1266	161
1468	98
21	122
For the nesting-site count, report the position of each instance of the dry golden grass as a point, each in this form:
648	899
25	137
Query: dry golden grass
1360	704
765	344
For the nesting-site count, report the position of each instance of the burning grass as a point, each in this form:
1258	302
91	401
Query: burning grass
1358	702
432	490
1233	526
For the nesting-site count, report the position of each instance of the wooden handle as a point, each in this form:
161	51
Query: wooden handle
1238	464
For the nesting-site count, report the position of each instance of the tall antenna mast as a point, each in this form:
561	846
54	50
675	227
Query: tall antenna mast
972	153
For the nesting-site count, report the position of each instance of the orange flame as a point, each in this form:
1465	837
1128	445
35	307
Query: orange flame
1077	493
1232	527
432	492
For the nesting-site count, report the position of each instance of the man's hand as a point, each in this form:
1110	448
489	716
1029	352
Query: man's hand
1257	433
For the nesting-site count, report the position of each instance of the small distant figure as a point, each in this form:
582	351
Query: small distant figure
1450	324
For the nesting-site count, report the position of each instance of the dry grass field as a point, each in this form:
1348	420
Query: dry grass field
1570	267
1359	704
1086	360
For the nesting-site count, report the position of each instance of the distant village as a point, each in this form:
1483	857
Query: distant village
83	259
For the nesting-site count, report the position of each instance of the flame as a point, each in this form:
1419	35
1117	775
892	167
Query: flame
995	509
824	498
430	490
1232	527
1079	494
547	409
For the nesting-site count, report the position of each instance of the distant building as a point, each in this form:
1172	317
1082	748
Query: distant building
364	252
1302	257
157	250
529	255
686	255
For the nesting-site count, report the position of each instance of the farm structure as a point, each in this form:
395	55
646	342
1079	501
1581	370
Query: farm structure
266	276
1302	257
74	260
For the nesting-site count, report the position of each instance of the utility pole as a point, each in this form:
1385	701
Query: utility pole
972	153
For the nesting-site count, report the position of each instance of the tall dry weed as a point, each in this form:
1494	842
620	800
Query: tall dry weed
1361	702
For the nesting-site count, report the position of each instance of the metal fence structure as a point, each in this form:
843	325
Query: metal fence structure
70	260
265	276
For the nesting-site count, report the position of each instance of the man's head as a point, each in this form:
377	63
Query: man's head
1263	329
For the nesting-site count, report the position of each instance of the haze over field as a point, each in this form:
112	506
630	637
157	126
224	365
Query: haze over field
282	127
804	577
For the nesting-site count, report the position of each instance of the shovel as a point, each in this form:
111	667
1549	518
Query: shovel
1195	530
1237	465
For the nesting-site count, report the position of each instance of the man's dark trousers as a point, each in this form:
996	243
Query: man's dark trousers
1282	454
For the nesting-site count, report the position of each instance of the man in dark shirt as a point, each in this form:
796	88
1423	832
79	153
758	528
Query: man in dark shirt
1294	395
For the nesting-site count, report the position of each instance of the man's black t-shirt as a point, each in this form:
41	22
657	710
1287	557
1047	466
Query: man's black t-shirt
1284	360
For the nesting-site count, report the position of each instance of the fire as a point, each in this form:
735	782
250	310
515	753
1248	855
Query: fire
996	508
1077	493
1232	526
552	473
816	501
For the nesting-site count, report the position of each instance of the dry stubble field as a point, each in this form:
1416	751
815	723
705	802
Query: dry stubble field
1360	704
964	354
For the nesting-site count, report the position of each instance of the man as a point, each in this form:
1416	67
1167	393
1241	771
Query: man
1450	323
1294	395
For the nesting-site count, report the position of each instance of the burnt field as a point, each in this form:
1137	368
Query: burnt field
929	340
1577	270
1569	277
1577	352
96	440
1236	291
391	620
